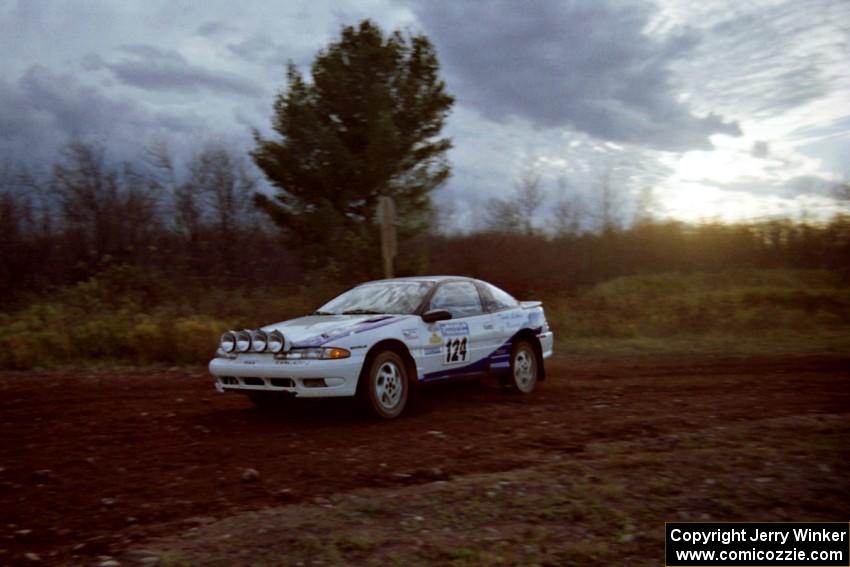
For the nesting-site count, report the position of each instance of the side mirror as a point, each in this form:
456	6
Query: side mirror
435	315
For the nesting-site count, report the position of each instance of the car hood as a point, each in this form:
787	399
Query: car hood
316	330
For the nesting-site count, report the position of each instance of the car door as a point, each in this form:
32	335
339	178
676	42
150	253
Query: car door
457	346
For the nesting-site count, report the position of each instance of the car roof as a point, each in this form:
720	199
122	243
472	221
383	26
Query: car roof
434	279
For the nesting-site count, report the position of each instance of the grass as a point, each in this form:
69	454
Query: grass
705	307
125	316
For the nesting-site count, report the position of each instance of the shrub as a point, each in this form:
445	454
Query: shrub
111	319
694	303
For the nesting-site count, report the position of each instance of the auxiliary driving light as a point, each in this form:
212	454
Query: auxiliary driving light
243	341
259	341
227	342
276	342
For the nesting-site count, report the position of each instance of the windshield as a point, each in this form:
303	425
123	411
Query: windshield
383	297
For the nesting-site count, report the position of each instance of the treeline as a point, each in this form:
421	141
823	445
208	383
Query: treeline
194	225
194	222
538	264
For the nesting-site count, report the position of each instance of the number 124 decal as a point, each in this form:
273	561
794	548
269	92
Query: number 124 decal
456	350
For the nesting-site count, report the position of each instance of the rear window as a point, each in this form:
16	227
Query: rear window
498	299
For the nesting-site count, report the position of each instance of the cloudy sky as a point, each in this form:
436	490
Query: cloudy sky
726	109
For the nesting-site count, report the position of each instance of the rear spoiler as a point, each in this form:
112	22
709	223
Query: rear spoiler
530	304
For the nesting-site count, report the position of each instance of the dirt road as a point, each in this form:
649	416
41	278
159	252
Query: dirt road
92	462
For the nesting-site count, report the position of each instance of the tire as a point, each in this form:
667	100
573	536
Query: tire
524	368
385	386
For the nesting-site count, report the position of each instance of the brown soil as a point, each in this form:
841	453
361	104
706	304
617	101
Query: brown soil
92	462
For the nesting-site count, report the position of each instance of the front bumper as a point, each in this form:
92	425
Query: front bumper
304	378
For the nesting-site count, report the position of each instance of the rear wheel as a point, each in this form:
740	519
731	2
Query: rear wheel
386	388
523	376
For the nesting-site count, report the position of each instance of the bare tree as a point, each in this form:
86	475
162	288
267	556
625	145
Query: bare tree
226	186
105	211
186	199
87	193
10	213
645	206
139	202
529	197
219	188
567	211
41	207
501	215
609	204
517	212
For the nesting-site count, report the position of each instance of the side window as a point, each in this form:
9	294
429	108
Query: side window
497	299
459	298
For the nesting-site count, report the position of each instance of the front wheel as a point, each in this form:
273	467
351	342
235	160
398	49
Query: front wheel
386	386
523	377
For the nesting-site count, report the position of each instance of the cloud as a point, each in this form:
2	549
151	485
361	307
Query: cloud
809	185
214	28
760	149
51	109
260	49
587	65
763	60
573	88
151	68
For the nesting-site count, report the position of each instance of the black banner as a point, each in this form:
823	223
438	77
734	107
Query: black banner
757	544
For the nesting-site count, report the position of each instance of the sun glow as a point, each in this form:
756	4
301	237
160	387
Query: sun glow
731	183
694	202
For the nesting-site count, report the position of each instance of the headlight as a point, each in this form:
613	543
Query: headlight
227	342
276	342
318	353
259	341
243	341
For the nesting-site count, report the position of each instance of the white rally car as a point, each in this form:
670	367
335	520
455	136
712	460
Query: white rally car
381	339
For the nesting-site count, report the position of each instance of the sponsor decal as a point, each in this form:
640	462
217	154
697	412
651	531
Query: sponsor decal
374	323
410	334
433	350
455	329
328	336
511	315
436	339
512	320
